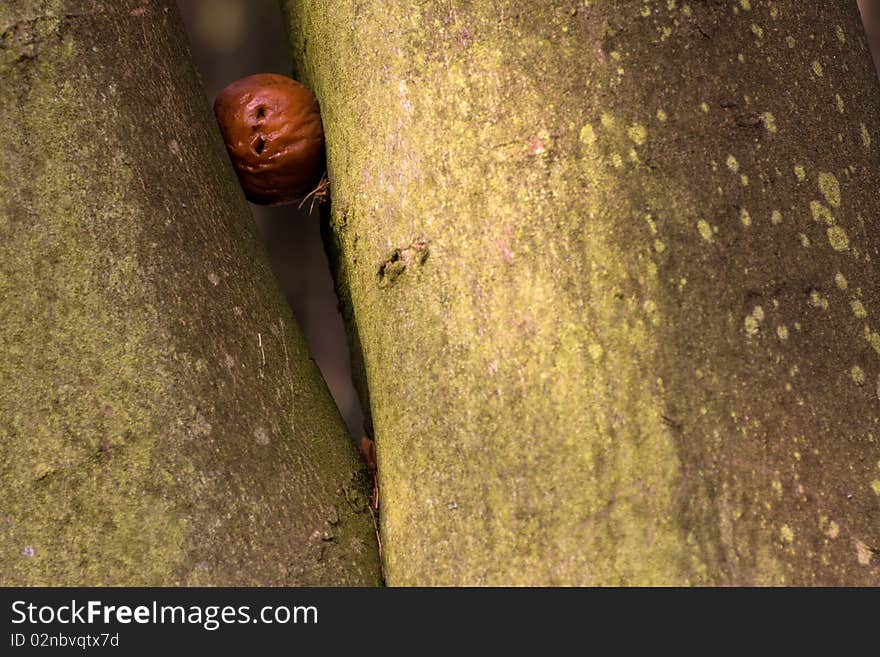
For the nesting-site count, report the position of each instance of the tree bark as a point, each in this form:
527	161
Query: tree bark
613	269
161	421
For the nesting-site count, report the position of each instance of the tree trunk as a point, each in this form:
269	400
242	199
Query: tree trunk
160	419
613	268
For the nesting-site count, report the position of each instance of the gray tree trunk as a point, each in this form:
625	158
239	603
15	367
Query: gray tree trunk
612	268
160	419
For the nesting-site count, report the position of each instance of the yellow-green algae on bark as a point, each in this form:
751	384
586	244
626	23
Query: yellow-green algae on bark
161	422
623	354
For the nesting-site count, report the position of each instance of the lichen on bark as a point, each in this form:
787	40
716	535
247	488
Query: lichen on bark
643	346
161	421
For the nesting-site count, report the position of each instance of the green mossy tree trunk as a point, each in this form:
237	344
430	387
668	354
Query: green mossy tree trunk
161	421
613	268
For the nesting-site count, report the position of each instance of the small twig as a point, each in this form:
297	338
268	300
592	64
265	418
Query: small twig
367	450
318	194
378	541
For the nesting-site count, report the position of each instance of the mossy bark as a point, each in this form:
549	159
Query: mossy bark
161	421
613	267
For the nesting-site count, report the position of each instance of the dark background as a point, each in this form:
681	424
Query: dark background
234	38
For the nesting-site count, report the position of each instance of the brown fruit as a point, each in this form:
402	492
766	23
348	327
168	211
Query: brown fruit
272	129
